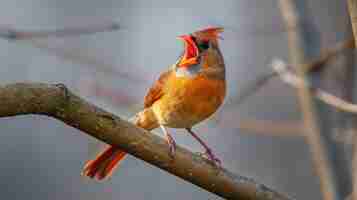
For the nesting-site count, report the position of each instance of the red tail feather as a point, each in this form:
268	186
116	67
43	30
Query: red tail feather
107	161
103	166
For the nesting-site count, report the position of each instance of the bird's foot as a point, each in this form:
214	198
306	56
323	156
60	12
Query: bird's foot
214	159
64	88
208	154
172	146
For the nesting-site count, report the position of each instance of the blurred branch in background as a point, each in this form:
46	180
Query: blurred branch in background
278	128
318	143
14	34
35	38
352	7
312	66
326	97
58	102
329	54
330	99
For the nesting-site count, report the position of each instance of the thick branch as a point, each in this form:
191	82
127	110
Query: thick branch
57	102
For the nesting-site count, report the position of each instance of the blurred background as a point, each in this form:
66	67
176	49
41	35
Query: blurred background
41	158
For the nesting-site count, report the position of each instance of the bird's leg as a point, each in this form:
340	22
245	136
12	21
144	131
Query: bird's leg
170	141
209	152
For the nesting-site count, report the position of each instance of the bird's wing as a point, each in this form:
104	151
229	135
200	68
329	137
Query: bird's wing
157	89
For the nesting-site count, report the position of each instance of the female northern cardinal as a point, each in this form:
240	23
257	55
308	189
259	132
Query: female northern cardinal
183	96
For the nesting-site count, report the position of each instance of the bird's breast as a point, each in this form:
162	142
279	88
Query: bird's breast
188	101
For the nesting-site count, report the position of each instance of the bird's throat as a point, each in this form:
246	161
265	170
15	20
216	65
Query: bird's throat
189	72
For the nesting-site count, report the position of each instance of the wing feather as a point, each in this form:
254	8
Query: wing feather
157	89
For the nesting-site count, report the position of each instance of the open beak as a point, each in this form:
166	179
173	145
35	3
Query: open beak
190	56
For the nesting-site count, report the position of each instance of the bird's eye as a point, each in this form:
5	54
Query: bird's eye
203	45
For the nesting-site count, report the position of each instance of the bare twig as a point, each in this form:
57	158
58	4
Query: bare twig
352	7
252	87
314	65
281	128
60	103
14	34
330	99
329	54
353	196
317	143
337	125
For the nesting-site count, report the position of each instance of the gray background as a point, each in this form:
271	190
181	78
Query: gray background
41	158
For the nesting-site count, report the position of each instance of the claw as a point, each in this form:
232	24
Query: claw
172	145
171	142
215	160
208	154
64	89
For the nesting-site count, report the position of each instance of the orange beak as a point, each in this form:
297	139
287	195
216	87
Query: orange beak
190	56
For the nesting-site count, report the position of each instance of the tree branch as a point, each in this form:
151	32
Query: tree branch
58	102
312	66
352	8
320	151
14	34
328	98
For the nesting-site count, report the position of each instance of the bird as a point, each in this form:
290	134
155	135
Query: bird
187	93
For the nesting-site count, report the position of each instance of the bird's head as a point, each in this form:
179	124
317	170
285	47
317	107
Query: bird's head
198	42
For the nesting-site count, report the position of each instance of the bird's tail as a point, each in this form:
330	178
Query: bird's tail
105	163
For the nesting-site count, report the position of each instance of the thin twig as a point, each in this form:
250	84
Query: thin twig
328	98
339	77
14	34
317	143
354	168
352	8
312	66
329	54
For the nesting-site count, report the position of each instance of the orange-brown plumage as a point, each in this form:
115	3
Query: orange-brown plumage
187	101
186	94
